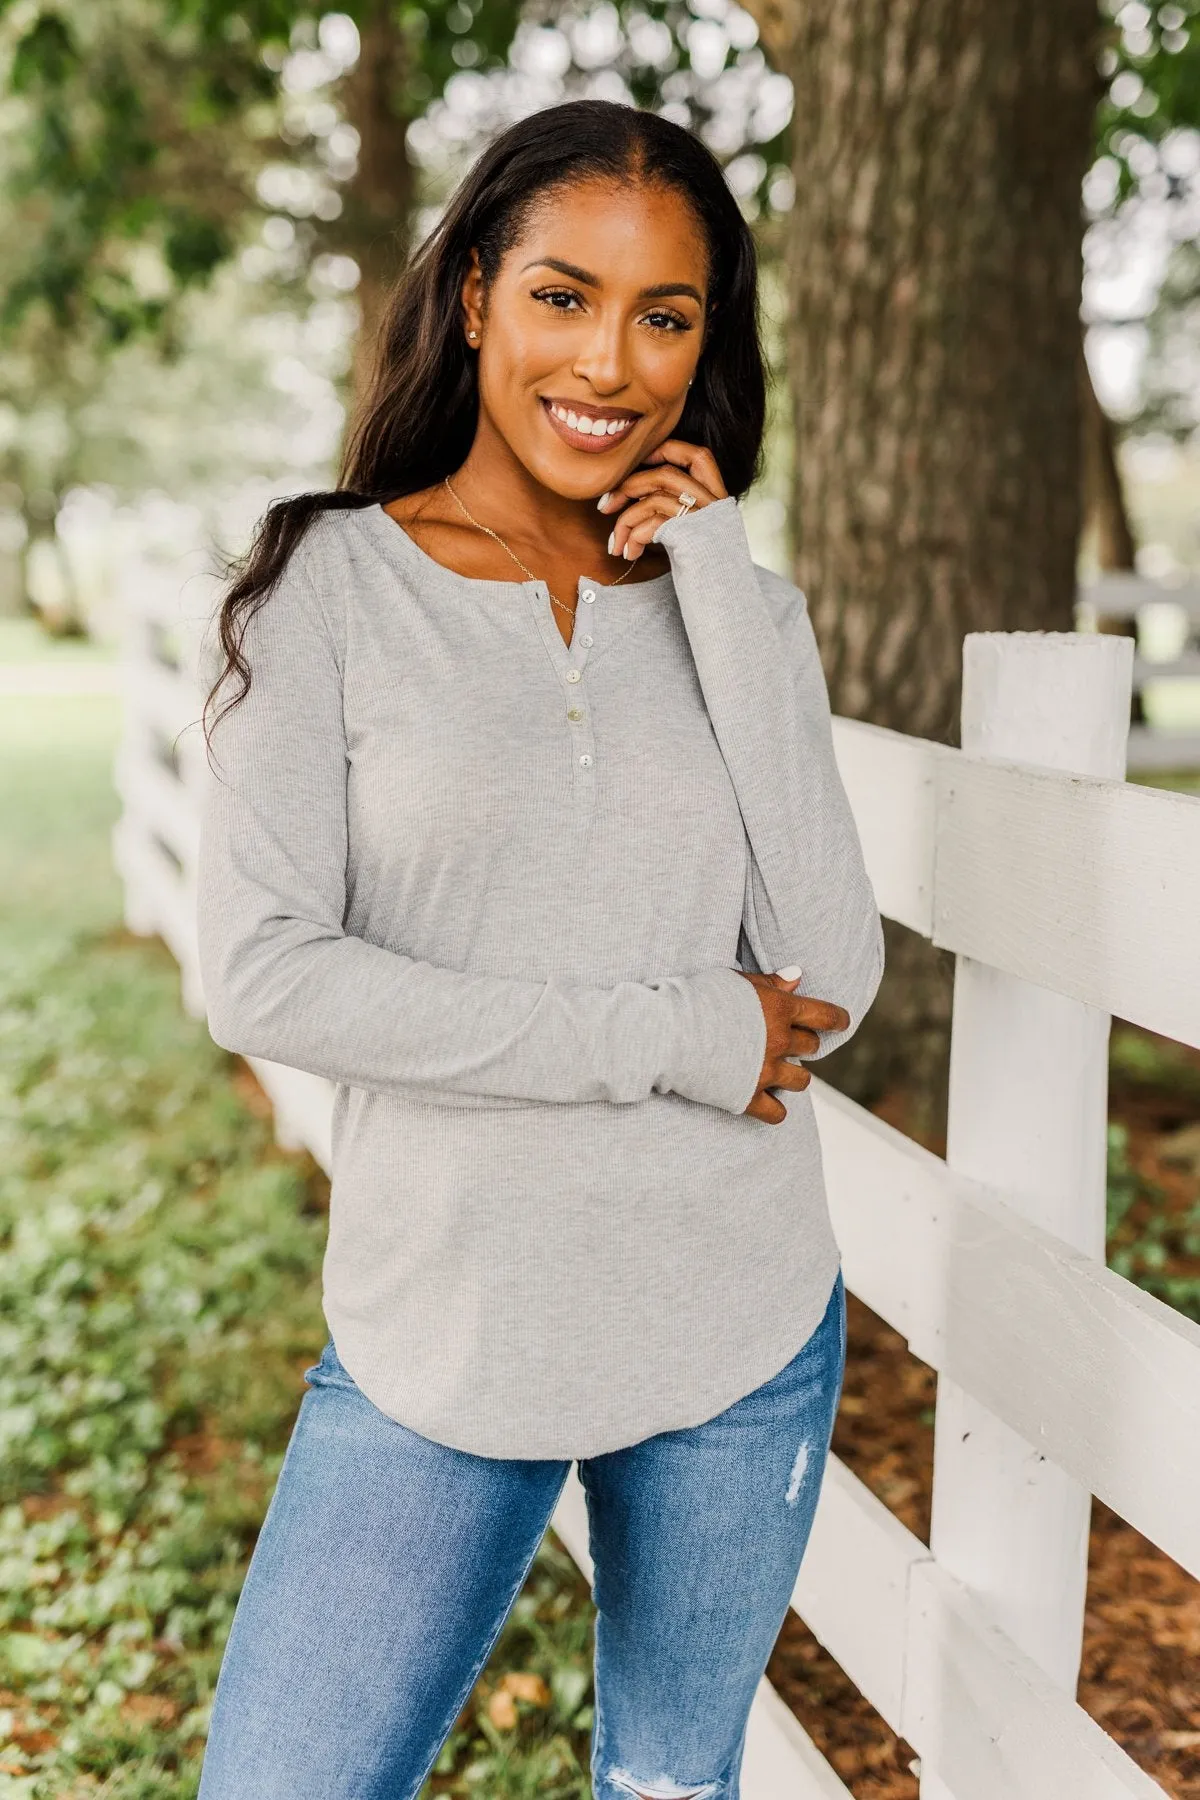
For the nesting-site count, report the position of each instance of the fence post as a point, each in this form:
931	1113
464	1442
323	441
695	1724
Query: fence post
1027	1112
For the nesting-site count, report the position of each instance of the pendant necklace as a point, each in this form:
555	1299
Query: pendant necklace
495	534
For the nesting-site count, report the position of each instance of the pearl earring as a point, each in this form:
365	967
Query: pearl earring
472	334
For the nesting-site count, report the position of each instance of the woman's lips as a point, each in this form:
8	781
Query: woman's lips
582	440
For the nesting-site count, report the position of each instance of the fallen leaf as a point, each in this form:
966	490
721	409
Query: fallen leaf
525	1685
148	1709
502	1710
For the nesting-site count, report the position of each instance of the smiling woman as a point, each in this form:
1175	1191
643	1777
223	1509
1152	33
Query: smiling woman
595	258
528	789
600	363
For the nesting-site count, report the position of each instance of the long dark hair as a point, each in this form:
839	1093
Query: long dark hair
417	420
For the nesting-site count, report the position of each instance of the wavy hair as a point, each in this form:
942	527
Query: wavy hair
418	416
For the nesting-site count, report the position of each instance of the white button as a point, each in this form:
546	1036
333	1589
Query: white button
586	761
586	642
588	595
572	674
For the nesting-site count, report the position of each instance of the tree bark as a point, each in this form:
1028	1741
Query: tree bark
1104	509
935	273
1104	506
375	225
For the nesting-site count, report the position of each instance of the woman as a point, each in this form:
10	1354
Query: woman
527	809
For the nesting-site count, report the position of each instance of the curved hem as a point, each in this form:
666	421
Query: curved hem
451	1439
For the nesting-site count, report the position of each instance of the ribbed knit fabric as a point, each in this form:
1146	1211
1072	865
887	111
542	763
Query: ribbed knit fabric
498	891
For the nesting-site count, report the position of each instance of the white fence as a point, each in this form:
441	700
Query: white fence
1137	600
1068	896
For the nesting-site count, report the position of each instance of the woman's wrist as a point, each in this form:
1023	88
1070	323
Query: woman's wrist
722	1040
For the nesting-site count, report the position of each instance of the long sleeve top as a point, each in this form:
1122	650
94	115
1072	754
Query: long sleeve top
498	890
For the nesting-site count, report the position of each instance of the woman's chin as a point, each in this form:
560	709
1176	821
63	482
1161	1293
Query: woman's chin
564	476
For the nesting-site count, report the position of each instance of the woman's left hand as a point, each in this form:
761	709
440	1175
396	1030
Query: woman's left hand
653	493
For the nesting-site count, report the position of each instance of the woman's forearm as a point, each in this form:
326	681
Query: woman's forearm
809	899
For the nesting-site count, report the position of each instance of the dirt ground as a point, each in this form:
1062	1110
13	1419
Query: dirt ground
1140	1676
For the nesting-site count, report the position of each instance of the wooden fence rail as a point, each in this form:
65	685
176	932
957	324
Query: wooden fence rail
1125	599
1067	896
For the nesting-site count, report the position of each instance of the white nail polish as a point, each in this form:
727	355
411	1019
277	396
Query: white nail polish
612	548
601	501
793	972
627	552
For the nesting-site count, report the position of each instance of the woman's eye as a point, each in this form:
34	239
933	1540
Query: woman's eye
563	300
552	295
668	321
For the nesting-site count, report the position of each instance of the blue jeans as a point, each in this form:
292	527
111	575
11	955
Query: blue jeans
388	1563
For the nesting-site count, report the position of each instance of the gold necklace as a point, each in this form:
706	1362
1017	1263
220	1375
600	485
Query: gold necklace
495	534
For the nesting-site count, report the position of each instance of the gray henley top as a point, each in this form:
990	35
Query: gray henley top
497	889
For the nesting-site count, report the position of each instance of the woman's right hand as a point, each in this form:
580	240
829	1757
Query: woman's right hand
793	1024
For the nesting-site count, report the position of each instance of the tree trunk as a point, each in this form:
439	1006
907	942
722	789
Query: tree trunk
1104	509
376	222
935	272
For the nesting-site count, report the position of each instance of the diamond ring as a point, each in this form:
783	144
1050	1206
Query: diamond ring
686	501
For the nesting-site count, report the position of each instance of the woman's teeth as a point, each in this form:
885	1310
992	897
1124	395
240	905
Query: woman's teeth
590	426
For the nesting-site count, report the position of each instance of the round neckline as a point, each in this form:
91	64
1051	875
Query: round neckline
390	534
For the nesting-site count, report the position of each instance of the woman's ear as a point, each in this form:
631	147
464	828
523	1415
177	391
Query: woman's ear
472	301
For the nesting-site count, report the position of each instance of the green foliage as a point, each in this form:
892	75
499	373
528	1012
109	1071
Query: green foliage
1150	63
120	132
1149	1241
144	124
157	1300
1143	1062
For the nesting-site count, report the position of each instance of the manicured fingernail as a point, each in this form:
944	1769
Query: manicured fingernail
612	547
603	501
793	972
627	552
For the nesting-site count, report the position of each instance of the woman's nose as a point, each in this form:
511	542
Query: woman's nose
603	360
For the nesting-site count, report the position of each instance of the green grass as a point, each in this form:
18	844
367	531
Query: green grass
1179	781
23	640
57	807
159	1296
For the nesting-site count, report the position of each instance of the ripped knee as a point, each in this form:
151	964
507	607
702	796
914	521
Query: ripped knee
663	1788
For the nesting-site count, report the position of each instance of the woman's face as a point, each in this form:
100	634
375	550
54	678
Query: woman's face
593	329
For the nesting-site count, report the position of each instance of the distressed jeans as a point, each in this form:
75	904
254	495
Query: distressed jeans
388	1563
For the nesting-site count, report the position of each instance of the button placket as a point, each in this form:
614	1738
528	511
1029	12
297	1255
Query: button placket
581	736
570	663
578	713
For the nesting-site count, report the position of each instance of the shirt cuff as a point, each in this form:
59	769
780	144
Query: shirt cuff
721	1042
700	522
